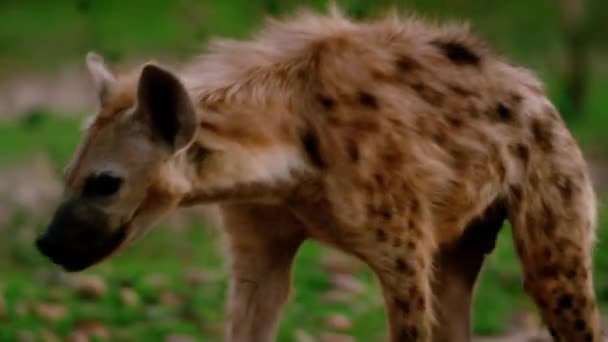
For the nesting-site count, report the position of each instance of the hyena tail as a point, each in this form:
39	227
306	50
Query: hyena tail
553	215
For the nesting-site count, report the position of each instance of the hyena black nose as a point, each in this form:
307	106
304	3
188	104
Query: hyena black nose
45	244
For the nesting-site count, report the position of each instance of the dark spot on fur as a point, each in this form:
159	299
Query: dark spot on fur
368	100
460	91
353	150
566	187
392	157
414	207
571	274
455	122
439	138
553	334
411	245
534	181
516	97
522	152
565	302
386	212
421	304
380	180
501	169
397	242
458	53
197	154
516	194
310	142
504	112
547	253
406	63
543	135
548	271
402	305
430	95
580	325
408	334
381	235
326	101
588	337
401	265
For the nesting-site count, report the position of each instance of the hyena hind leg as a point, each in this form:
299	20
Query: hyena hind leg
554	236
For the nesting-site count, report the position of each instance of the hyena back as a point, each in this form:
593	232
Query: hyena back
390	140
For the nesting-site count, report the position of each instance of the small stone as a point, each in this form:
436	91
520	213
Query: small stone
93	329
78	336
129	297
196	277
49	336
25	336
347	283
3	311
338	296
89	286
303	336
156	281
21	309
169	298
50	311
178	338
338	321
333	337
338	262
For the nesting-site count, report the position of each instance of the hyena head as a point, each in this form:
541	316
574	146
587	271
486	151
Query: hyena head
117	184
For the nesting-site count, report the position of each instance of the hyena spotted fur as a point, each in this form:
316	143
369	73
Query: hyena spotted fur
399	142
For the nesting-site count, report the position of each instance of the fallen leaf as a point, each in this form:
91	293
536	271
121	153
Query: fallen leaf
2	306
178	338
347	282
129	297
338	296
88	286
49	336
25	336
338	321
156	281
303	336
78	336
338	262
50	311
333	337
169	298
93	329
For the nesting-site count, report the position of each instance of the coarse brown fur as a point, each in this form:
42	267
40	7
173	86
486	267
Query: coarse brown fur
402	143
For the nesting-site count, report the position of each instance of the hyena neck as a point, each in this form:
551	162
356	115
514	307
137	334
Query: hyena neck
238	174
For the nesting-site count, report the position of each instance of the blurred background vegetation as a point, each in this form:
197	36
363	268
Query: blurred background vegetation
172	285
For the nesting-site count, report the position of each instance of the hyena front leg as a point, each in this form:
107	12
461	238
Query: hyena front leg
553	230
262	242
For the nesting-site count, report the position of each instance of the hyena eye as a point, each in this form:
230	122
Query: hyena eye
99	185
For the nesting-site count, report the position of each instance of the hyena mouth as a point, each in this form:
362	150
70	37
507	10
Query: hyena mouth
78	258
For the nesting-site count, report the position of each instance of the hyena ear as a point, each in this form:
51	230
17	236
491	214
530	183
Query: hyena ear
102	76
166	106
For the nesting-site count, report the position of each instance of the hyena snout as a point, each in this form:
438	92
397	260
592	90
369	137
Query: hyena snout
79	236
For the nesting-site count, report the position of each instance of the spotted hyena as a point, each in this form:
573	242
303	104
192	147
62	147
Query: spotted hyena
399	142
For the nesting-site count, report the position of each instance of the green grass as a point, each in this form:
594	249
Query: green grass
43	34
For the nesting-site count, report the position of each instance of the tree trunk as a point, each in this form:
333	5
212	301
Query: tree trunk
576	71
